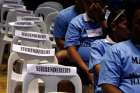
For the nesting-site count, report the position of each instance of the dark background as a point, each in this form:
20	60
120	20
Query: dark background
32	4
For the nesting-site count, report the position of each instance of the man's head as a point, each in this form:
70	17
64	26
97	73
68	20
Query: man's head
96	10
83	5
117	26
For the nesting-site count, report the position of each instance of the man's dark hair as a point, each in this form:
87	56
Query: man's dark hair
115	17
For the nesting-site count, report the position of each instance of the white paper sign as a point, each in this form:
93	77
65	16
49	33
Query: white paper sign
13	6
94	32
11	2
24	11
28	18
51	69
33	50
22	23
31	35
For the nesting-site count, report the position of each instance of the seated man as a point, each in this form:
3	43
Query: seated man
120	68
117	31
61	24
83	30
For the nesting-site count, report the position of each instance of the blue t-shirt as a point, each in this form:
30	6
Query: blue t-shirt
81	32
62	21
121	67
97	50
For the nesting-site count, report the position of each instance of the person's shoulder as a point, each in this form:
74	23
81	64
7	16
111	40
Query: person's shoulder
77	19
122	46
98	42
68	10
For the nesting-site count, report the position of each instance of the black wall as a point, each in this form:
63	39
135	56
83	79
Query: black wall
32	4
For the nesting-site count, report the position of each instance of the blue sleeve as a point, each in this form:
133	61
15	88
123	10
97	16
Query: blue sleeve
60	26
110	71
72	37
96	53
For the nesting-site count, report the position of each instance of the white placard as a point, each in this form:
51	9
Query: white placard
22	23
33	50
31	35
24	11
10	2
13	6
29	18
94	32
51	69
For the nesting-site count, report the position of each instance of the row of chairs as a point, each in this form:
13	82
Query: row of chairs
31	46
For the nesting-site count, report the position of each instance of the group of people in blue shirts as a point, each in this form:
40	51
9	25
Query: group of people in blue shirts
101	38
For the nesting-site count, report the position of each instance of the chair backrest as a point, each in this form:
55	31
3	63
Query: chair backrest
44	11
50	19
13	14
24	26
37	20
52	74
52	4
13	2
30	38
5	10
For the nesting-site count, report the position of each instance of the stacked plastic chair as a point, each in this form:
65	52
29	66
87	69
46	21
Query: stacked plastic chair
26	46
6	7
37	20
52	4
44	11
4	25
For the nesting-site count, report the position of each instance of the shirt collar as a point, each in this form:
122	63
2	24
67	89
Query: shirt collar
86	18
109	40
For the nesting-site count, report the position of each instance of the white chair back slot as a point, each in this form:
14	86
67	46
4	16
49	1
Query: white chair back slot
52	4
31	35
44	11
33	50
5	10
30	18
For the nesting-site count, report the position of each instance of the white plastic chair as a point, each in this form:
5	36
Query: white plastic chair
37	20
50	18
51	75
44	11
52	4
5	9
5	39
27	56
12	17
50	25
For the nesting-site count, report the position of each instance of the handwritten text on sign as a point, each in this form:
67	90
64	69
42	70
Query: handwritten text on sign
31	35
51	69
33	50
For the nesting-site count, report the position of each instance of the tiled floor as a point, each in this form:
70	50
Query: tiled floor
3	77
